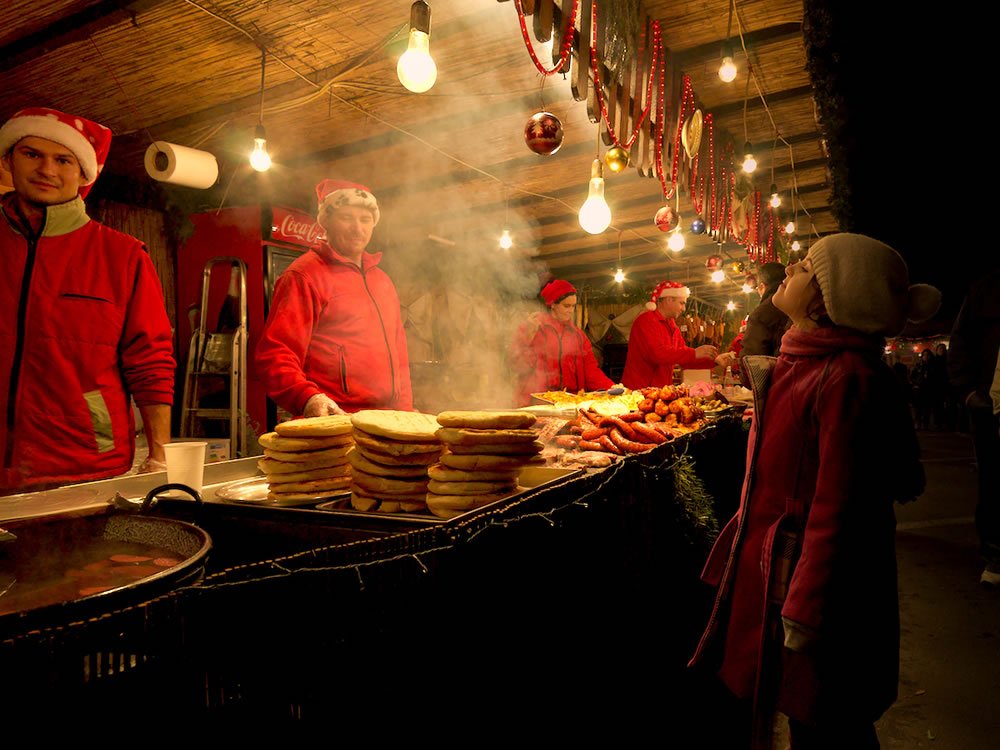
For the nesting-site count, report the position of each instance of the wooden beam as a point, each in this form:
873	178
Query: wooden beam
769	35
69	29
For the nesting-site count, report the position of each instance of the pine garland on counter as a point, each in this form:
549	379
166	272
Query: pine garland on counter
691	495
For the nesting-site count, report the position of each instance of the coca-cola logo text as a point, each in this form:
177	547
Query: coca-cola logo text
306	231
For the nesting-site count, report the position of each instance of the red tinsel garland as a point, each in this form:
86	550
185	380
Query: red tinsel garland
567	42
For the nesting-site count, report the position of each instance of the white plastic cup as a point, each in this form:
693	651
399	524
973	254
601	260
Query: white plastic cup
186	464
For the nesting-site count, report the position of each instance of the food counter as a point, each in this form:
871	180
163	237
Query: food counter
580	582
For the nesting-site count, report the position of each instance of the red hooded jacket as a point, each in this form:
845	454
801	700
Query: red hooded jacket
831	447
335	328
82	328
559	356
655	345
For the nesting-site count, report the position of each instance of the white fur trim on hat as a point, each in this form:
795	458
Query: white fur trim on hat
351	196
53	129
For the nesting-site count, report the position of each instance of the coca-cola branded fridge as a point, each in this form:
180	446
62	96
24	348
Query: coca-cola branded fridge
268	239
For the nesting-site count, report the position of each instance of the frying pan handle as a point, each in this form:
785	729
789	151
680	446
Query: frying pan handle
147	502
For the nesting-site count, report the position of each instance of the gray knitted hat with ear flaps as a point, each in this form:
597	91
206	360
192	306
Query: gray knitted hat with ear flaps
866	285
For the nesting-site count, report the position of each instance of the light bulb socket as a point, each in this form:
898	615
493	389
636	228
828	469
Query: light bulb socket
420	17
258	133
727	50
747	150
774	190
597	170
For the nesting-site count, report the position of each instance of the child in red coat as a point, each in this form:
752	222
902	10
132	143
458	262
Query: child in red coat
806	617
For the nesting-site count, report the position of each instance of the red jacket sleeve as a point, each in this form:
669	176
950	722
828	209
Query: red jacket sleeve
284	342
404	389
146	349
664	350
594	378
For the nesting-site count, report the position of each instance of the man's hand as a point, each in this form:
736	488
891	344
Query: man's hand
726	359
706	351
321	405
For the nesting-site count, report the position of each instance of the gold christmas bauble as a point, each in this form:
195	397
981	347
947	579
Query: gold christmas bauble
616	159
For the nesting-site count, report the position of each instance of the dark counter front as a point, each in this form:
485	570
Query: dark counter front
582	595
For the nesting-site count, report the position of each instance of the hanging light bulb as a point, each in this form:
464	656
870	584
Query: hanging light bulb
676	241
416	68
796	245
718	276
259	158
747	289
775	196
749	163
595	215
505	240
619	276
790	227
730	305
727	70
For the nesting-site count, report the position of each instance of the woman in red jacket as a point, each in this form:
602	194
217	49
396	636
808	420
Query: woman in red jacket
550	353
806	618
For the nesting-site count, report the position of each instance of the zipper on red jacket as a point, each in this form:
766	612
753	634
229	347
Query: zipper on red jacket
558	334
31	239
343	370
385	336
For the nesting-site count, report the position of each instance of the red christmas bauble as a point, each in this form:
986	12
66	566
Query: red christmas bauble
714	262
543	133
666	219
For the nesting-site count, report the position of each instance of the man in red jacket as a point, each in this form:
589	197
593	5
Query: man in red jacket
655	343
334	341
83	327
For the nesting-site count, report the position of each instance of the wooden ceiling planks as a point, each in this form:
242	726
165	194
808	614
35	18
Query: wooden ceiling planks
189	74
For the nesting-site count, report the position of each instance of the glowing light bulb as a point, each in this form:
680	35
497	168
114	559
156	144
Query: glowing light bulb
790	227
796	245
718	276
747	289
595	215
505	240
775	196
416	68
730	305
619	276
259	158
727	71
676	241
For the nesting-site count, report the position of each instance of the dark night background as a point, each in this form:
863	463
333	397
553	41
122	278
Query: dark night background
909	143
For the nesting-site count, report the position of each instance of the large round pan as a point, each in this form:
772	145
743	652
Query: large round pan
47	543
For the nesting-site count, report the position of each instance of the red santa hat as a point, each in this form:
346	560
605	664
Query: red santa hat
743	324
667	289
339	193
555	290
89	141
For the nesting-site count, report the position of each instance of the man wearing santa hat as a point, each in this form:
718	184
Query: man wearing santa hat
334	341
549	353
655	343
83	327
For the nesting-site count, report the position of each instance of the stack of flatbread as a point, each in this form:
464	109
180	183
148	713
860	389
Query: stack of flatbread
307	458
486	452
389	463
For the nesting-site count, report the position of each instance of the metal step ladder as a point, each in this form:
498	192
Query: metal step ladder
218	358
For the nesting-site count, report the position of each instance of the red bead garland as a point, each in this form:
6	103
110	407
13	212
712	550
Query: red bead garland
599	90
566	44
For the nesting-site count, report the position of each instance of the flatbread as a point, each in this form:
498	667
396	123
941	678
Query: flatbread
342	470
412	459
489	463
328	426
486	419
396	425
384	485
395	447
400	497
314	486
467	436
275	442
361	501
506	449
271	466
359	462
441	473
449	506
299	457
469	488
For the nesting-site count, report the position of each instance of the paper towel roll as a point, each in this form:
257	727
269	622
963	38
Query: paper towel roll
180	165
